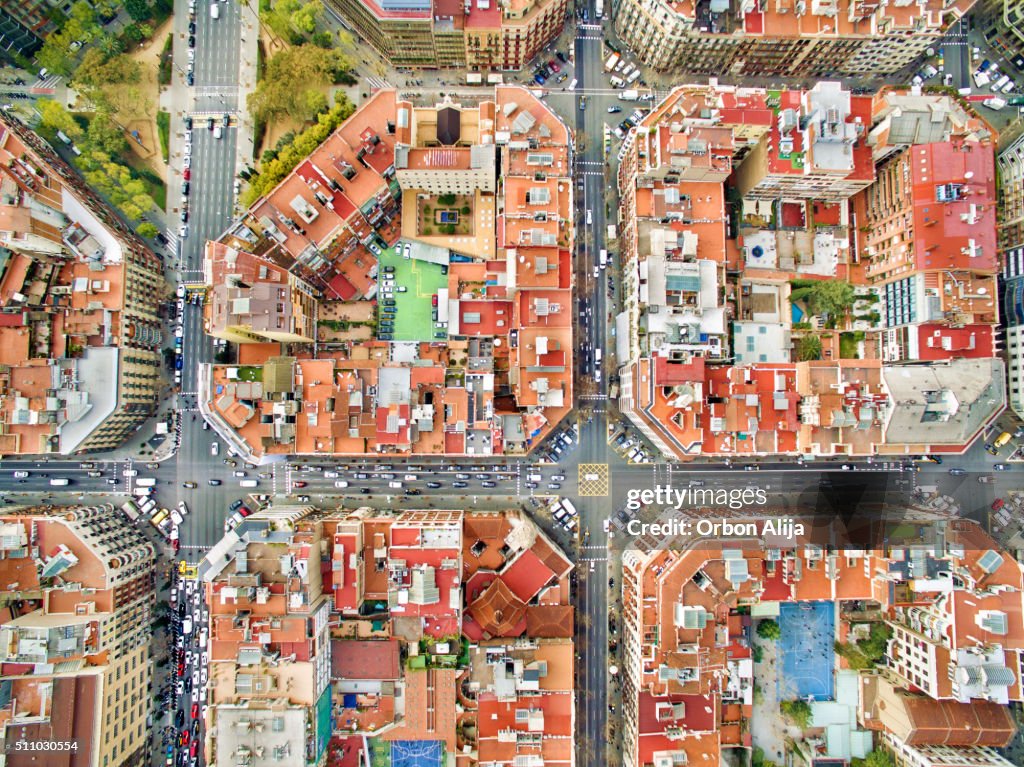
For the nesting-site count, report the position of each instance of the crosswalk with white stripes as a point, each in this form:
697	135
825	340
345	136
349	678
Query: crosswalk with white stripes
377	82
51	81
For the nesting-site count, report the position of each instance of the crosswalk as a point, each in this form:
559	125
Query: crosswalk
173	241
51	81
377	82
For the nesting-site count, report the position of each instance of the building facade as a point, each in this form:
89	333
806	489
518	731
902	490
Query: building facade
430	34
80	309
783	37
80	628
1011	249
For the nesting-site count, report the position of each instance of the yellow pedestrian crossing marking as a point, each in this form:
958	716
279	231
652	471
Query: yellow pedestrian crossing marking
593	479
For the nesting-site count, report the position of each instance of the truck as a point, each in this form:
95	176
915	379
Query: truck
60	482
609	65
131	510
630	95
145	482
981	79
602	258
998	84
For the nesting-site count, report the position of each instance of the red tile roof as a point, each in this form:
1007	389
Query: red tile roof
527	575
943	230
365	659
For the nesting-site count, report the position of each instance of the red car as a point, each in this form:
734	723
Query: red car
244	511
183	738
433	300
554	66
187	174
175	544
997	504
194	750
195	710
181	668
298	484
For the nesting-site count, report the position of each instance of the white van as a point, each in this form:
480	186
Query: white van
214	11
249	483
395	485
411	477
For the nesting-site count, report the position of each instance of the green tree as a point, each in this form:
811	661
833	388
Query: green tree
809	348
797	711
291	79
105	136
139	10
304	19
876	758
55	117
98	70
146	229
769	629
832	297
55	55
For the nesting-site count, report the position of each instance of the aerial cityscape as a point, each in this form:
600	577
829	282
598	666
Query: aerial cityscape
512	383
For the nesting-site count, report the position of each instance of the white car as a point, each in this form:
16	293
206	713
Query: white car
374	249
407	250
204	676
341	483
179	331
180	292
183	231
214	448
20	474
186	625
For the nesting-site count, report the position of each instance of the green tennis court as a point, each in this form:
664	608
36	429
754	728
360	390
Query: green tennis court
413	319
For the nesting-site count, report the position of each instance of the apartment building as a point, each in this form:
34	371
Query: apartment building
270	657
251	300
962	643
431	34
815	148
929	242
409	598
1010	164
783	37
526	701
708	343
24	26
688	624
446	149
80	293
482	260
76	635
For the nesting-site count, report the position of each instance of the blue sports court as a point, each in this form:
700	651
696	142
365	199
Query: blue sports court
807	651
416	753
